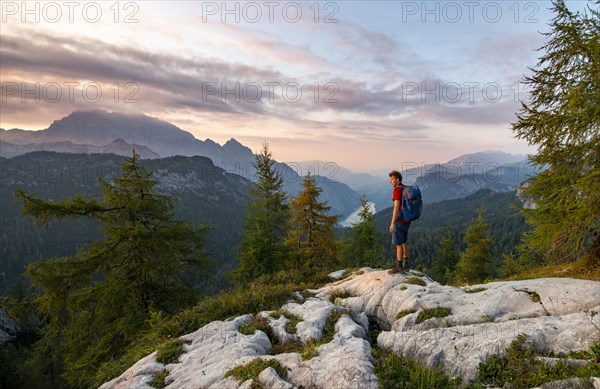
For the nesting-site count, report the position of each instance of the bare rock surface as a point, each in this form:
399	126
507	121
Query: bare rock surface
559	314
439	326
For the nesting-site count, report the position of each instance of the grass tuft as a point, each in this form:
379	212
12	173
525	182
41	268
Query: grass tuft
158	381
310	350
252	369
405	312
339	294
328	333
519	366
395	371
257	323
415	281
291	346
427	314
293	320
581	269
170	351
474	290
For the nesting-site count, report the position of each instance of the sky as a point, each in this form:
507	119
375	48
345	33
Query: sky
367	84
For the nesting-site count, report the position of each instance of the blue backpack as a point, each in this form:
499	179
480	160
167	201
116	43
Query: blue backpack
411	203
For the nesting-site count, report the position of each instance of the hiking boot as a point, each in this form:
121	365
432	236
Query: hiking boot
397	268
405	268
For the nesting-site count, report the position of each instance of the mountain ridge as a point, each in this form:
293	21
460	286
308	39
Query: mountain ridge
99	128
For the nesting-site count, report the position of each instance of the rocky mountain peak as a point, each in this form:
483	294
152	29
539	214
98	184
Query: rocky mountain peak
488	157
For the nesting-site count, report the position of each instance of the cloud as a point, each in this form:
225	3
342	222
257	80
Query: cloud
183	82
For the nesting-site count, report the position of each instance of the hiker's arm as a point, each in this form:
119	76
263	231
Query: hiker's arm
395	214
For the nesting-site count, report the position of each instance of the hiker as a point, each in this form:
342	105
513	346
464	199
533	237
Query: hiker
398	226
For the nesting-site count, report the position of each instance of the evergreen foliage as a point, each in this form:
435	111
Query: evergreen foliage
266	220
562	118
363	247
98	302
475	263
444	263
311	236
203	192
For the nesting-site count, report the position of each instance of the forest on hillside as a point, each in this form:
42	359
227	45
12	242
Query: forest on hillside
204	194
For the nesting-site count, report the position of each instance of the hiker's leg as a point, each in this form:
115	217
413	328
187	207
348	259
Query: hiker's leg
402	252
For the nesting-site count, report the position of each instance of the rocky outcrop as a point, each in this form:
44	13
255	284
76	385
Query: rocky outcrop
213	350
440	326
8	327
560	315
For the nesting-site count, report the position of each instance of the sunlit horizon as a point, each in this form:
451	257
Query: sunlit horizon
364	84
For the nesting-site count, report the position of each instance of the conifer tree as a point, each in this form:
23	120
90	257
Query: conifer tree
98	302
443	266
562	118
310	238
262	250
475	263
363	247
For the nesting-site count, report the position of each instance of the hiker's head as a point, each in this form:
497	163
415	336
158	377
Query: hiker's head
395	178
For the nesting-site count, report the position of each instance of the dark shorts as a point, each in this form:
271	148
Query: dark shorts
400	234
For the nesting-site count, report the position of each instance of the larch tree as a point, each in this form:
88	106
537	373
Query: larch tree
97	303
562	118
310	237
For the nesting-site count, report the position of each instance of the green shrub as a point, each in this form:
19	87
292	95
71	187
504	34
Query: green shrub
427	314
535	297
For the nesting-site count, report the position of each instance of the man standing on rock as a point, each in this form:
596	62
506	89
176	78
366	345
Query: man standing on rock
398	226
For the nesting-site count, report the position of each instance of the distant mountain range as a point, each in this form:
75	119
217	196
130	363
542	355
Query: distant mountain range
118	147
205	194
459	177
117	133
111	132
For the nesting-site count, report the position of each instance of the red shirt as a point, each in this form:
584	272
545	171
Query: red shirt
397	195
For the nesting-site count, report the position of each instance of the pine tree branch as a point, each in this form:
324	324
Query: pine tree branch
43	211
